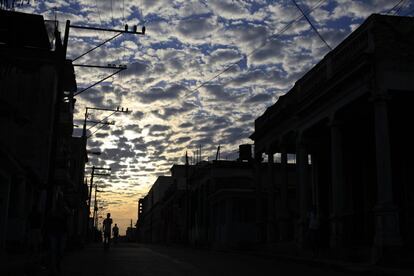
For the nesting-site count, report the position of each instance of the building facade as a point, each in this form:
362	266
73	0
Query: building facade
38	155
217	204
343	123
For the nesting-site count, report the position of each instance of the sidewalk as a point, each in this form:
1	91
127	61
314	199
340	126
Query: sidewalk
293	254
20	264
12	265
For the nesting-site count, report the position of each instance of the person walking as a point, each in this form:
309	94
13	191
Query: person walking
115	233
107	230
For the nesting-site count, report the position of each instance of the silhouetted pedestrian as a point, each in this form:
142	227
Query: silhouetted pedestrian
115	233
107	230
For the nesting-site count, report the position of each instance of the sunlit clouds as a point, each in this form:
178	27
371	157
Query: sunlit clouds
187	43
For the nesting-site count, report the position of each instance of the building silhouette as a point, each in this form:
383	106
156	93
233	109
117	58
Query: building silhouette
212	204
151	220
343	122
39	157
336	146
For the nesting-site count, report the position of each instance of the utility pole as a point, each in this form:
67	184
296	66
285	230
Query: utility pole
187	202
60	60
218	153
94	168
95	209
97	174
102	122
119	32
90	191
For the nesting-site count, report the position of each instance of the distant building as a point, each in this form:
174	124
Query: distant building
131	234
210	204
222	204
345	122
175	206
151	223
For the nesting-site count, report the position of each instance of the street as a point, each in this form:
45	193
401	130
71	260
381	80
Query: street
133	259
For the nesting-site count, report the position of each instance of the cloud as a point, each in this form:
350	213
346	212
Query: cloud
217	93
160	94
182	140
186	44
186	125
159	128
230	9
195	29
259	98
135	69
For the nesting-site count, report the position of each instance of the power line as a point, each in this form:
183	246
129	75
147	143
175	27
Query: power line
399	9
99	128
97	46
395	6
273	36
101	120
312	26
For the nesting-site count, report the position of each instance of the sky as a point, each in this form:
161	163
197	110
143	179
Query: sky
202	73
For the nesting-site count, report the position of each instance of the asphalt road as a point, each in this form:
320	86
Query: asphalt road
133	259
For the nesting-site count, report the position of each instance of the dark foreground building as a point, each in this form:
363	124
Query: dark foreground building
40	162
346	121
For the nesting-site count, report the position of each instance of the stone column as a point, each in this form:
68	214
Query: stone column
387	232
302	164
284	197
338	181
271	211
259	197
315	181
16	222
4	207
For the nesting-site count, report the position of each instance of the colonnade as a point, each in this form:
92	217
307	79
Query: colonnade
386	213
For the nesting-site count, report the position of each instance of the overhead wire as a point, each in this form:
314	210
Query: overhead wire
400	8
395	6
282	31
267	40
99	128
273	36
101	120
312	25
